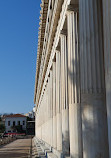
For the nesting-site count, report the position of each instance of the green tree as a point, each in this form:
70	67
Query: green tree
2	128
17	129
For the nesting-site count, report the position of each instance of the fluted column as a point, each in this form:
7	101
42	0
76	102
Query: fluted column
64	96
74	85
47	116
107	55
36	123
94	120
51	108
54	106
58	104
49	126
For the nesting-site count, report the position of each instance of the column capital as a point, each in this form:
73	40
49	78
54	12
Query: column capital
58	47
73	8
58	50
49	75
51	68
63	32
54	59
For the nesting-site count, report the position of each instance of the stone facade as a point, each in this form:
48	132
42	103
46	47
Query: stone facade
73	78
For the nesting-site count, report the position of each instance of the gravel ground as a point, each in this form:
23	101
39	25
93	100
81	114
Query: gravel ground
17	149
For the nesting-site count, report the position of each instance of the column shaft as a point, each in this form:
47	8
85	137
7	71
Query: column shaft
58	105
74	86
64	96
94	121
107	55
51	108
54	106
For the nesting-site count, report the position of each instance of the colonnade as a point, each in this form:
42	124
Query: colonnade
74	112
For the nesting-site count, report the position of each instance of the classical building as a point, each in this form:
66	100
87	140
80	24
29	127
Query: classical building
73	78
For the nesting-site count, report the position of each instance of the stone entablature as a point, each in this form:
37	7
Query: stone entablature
43	16
47	46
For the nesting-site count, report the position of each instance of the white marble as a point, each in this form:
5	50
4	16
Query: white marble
94	121
54	106
64	95
74	86
58	103
71	88
107	54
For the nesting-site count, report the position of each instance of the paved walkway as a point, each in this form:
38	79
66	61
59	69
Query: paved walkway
17	149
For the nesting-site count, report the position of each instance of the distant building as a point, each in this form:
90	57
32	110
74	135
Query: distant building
31	127
15	120
30	122
31	114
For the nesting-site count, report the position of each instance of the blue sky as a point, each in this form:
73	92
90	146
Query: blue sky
19	23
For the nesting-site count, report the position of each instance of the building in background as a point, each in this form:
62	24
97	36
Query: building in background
73	78
30	127
15	123
31	114
31	122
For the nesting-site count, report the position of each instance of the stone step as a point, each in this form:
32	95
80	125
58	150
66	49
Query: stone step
51	155
47	151
41	151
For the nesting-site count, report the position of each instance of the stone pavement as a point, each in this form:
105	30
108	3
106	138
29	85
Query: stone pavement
17	149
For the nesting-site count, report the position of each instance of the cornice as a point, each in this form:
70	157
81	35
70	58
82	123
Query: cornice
42	23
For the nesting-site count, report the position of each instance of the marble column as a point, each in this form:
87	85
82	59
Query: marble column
49	126
36	123
64	96
75	120
107	55
54	106
47	117
51	108
58	104
94	117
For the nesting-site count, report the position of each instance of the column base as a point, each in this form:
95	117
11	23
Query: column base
54	131
59	132
75	122
94	126
65	132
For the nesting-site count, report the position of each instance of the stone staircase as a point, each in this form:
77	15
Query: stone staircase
39	150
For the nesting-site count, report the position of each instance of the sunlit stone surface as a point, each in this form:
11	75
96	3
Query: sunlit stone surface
73	78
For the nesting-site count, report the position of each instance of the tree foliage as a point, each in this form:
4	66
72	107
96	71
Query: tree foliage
2	128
